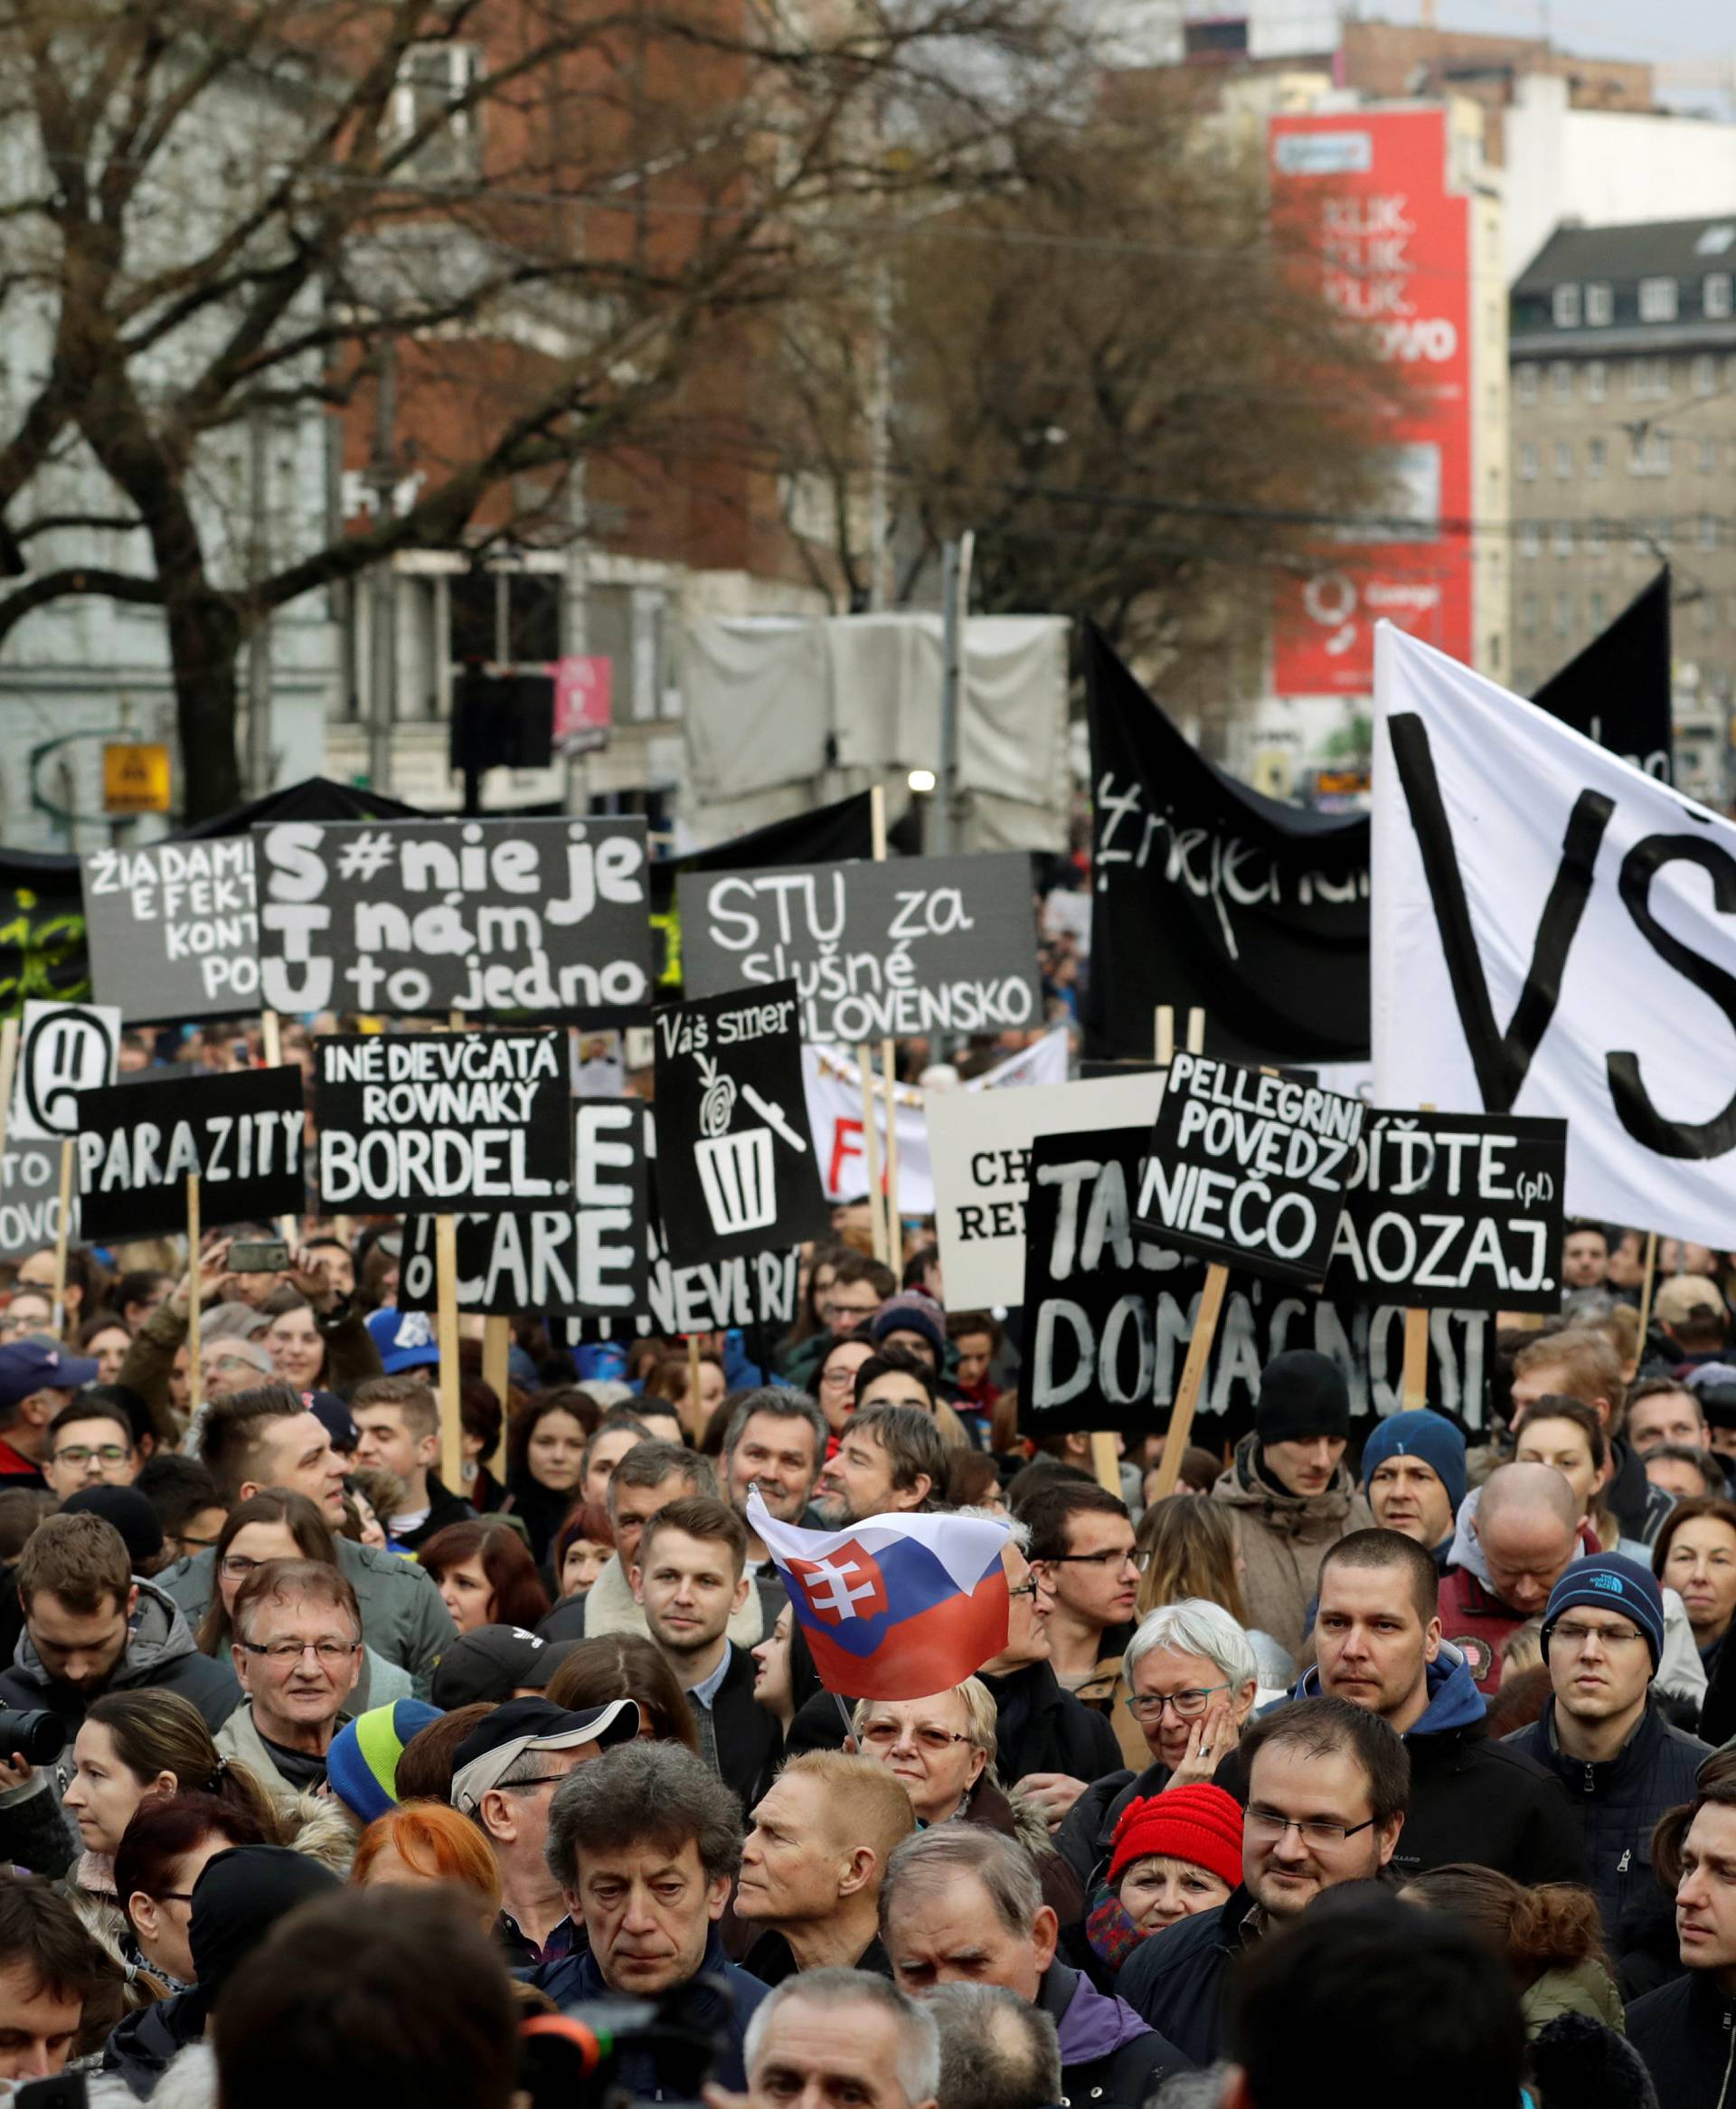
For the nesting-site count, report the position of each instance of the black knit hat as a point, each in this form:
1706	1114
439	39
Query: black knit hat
1302	1396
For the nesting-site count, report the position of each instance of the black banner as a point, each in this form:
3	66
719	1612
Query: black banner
1108	1315
138	1141
42	948
735	1162
443	1122
172	930
30	1199
589	1261
1455	1212
1248	1169
1617	691
1205	893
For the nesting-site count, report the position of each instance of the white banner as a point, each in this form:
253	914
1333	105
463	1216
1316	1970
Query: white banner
834	1117
1553	932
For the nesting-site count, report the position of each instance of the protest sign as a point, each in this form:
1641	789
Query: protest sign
64	1048
1618	690
421	917
979	1146
1205	893
173	929
447	1123
1247	1168
590	1260
1108	1314
140	1142
1553	935
30	1199
735	1172
43	949
1453	1212
933	944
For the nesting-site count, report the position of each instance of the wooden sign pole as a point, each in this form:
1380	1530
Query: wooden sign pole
496	1350
8	1071
195	1280
62	1234
1187	1393
694	1429
445	1284
1646	1285
871	1150
1414	1391
893	1254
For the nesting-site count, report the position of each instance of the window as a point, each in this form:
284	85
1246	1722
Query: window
1527	462
1564	305
1596	540
1596	380
1657	300
1597	455
1705	456
1564	614
1560	380
1531	539
1528	613
1599	306
1715	296
1705	374
1562	540
1651	454
1526	378
1708	611
1563	459
1708	532
1595	608
1648	380
433	79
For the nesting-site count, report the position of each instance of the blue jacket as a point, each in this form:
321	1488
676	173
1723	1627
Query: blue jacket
575	1979
1173	1981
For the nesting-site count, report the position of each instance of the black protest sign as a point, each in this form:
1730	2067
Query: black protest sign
1248	1169
1618	690
30	1199
932	944
1205	891
173	929
589	1261
1108	1314
427	917
443	1122
1454	1212
139	1142
43	947
735	1162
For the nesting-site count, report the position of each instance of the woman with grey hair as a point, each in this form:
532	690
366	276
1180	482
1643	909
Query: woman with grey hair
1192	1684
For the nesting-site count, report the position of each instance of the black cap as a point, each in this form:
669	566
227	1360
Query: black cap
493	1662
1303	1395
494	1745
130	1513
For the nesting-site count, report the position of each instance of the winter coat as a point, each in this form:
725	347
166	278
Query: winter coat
745	1737
1013	1817
1615	1805
1284	1537
578	1978
1579	2063
1685	2031
1637	1504
1174	1979
443	1506
609	1607
1042	1728
1587	1988
1474	1799
241	1740
1088	1830
35	1831
141	2044
1109	2057
404	1616
159	1656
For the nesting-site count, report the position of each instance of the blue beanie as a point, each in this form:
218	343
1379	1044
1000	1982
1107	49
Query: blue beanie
1429	1437
1611	1582
362	1765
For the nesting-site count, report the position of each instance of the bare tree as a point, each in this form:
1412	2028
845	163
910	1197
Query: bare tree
552	216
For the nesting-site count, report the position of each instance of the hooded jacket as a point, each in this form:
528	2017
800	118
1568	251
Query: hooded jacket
1637	1504
1283	1538
159	1656
1686	2033
1175	1979
578	1978
1109	2057
1474	1799
609	1606
1615	1805
404	1616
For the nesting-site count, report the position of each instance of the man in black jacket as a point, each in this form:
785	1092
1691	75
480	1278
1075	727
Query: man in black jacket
1686	2030
961	1903
690	1577
813	1864
1621	1761
398	1425
1328	1783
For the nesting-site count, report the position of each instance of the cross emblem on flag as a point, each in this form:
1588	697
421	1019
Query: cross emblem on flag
847	1584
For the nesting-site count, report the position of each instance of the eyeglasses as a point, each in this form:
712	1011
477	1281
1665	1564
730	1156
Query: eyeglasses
852	1311
173	1897
1571	1634
1023	1589
837	1379
1188	1704
1315	1831
542	1780
237	1566
1128	1559
889	1734
81	1454
330	1653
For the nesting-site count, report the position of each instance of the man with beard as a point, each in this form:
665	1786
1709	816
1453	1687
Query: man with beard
889	1460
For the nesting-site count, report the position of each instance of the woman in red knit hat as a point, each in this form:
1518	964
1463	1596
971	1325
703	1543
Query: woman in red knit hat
1174	1854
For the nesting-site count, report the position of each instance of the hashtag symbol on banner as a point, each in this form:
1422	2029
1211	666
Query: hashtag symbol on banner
365	857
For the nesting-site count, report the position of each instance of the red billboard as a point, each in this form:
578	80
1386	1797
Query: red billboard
1368	192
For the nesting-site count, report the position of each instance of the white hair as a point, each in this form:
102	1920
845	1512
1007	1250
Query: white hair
1195	1626
918	2041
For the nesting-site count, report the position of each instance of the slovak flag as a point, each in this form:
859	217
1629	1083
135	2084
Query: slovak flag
897	1606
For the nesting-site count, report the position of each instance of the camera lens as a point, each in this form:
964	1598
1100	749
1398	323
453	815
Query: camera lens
37	1735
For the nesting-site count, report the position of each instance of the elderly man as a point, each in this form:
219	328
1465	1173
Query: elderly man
962	1903
814	1862
297	1651
996	2051
1521	1538
890	1460
775	1440
835	2036
644	1844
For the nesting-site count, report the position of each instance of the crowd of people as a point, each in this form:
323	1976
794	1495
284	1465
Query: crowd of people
1392	1772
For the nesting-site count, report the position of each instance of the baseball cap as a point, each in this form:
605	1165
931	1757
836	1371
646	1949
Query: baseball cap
405	1340
494	1745
1681	1295
493	1662
334	1416
29	1366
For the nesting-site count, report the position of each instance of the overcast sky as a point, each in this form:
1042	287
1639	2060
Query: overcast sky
1681	30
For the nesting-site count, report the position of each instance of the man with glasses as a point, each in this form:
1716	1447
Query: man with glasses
297	1651
504	1779
1623	1762
1081	1553
857	1289
1327	1787
90	1444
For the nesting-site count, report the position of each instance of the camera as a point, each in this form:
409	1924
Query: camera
607	2052
39	1735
